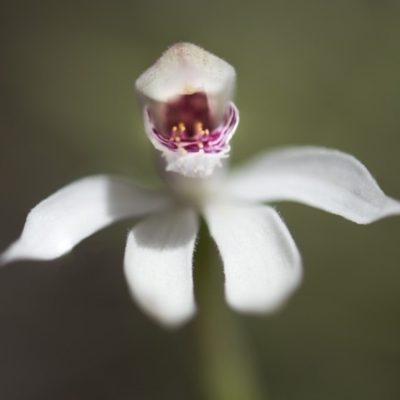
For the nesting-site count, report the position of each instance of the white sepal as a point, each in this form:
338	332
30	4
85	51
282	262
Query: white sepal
76	211
261	262
183	69
158	266
327	179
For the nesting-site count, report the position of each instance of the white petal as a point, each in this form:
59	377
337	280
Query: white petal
185	69
327	179
158	265
261	262
76	211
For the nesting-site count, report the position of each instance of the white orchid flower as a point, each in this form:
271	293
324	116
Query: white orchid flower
261	262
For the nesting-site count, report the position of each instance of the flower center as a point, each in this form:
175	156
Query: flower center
188	126
188	117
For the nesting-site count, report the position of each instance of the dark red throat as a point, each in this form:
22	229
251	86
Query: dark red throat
188	114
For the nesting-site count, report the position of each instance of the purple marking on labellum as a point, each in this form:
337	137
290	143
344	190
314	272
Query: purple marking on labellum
212	142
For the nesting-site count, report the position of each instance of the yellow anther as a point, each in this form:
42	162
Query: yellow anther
174	133
206	131
198	128
177	139
201	145
181	127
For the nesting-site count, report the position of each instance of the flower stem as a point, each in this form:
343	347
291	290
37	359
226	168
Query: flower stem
226	366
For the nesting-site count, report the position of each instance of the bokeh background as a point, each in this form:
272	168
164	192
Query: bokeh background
312	72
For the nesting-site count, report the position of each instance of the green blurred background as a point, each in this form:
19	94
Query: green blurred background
313	72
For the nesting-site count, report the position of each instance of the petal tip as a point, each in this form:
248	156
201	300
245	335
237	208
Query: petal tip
391	207
10	254
167	314
170	321
271	304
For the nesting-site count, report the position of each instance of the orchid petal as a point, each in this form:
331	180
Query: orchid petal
261	261
185	69
327	179
158	265
76	211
